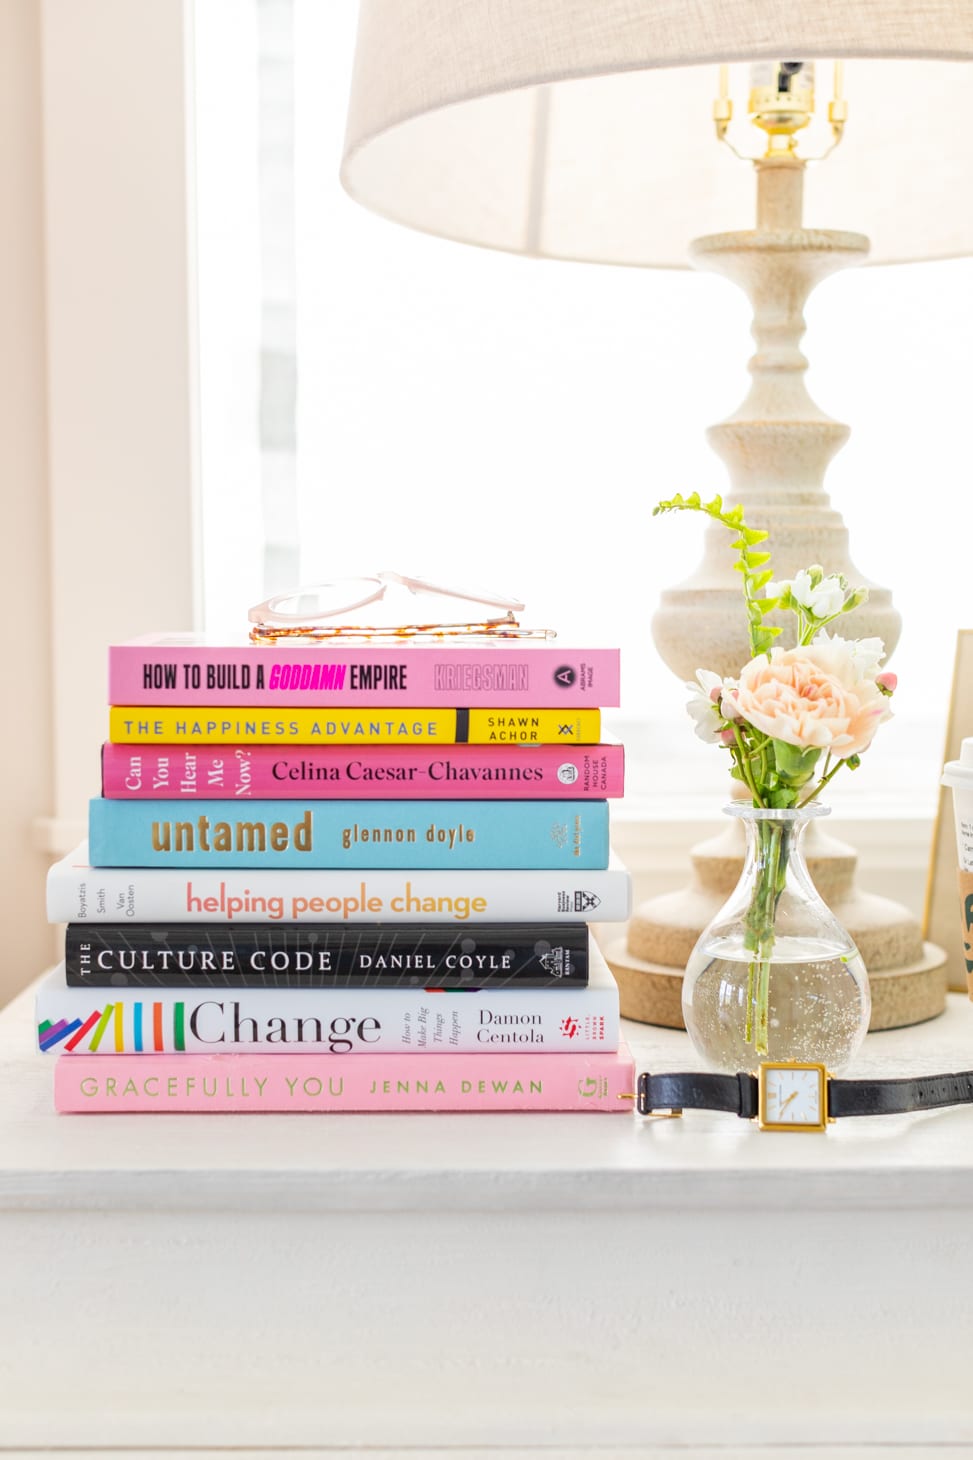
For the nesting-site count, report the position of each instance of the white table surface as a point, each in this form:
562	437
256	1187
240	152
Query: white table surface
486	1161
516	1285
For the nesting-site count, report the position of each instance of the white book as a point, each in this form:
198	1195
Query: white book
80	893
329	1021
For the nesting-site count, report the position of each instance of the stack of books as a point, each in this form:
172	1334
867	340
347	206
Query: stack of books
353	878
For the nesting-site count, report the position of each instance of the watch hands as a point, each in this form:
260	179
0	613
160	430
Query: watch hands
784	1103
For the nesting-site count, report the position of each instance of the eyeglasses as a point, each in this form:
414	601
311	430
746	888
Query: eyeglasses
309	613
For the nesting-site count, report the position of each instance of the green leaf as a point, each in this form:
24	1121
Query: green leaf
794	765
752	566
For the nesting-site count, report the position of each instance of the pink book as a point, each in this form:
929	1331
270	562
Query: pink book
188	669
367	772
162	1084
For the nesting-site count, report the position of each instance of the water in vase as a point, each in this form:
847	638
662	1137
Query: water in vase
818	1001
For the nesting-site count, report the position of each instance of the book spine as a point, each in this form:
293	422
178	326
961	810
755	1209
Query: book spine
228	725
78	892
254	1083
327	955
328	772
192	674
326	1021
334	834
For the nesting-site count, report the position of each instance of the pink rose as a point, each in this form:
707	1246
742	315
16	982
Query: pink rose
812	697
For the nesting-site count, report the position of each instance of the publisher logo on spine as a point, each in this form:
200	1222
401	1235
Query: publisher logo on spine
565	676
590	1027
578	901
567	773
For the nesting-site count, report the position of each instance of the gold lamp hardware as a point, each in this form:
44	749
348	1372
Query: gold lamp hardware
781	103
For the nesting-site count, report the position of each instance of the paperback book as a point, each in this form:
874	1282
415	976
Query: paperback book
185	669
332	1021
326	955
242	772
79	892
352	834
229	725
252	1084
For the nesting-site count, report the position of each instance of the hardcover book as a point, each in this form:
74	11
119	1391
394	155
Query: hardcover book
331	1021
243	772
185	669
78	892
251	1084
229	725
353	834
326	955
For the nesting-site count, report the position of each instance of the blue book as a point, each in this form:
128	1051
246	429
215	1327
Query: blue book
349	834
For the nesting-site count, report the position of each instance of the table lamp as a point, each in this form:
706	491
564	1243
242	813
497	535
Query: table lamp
611	133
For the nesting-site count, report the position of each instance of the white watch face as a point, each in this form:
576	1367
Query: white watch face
792	1097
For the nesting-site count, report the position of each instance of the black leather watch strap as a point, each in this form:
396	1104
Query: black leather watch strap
895	1097
736	1094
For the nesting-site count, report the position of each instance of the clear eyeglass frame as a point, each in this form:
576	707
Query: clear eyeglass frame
309	614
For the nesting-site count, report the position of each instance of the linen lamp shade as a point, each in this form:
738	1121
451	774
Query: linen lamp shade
582	129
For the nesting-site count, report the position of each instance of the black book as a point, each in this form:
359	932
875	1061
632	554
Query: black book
327	955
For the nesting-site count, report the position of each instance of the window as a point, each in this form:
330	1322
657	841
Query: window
376	398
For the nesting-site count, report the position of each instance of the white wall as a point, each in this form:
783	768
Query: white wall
120	352
25	683
97	447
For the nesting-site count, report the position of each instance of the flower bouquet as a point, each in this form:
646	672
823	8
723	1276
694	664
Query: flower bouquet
774	974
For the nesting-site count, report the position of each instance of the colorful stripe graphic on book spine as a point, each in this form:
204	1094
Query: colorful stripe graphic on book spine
49	1035
100	1028
54	1033
372	772
88	1023
179	669
228	725
335	834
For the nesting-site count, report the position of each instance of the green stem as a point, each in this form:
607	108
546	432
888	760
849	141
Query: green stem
744	763
773	840
823	781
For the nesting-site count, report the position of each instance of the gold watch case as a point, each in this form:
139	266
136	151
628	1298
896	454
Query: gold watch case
782	1086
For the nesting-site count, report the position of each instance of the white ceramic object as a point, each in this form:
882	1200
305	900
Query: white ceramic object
778	444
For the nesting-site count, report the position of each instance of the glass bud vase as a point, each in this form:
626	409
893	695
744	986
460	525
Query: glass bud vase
775	976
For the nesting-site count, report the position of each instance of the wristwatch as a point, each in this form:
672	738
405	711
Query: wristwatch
793	1096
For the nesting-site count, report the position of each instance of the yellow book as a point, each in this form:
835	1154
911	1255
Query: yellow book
233	725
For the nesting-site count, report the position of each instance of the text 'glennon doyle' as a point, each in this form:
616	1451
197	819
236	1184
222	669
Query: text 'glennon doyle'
204	835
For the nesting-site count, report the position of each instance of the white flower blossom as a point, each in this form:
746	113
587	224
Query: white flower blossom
704	706
821	600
